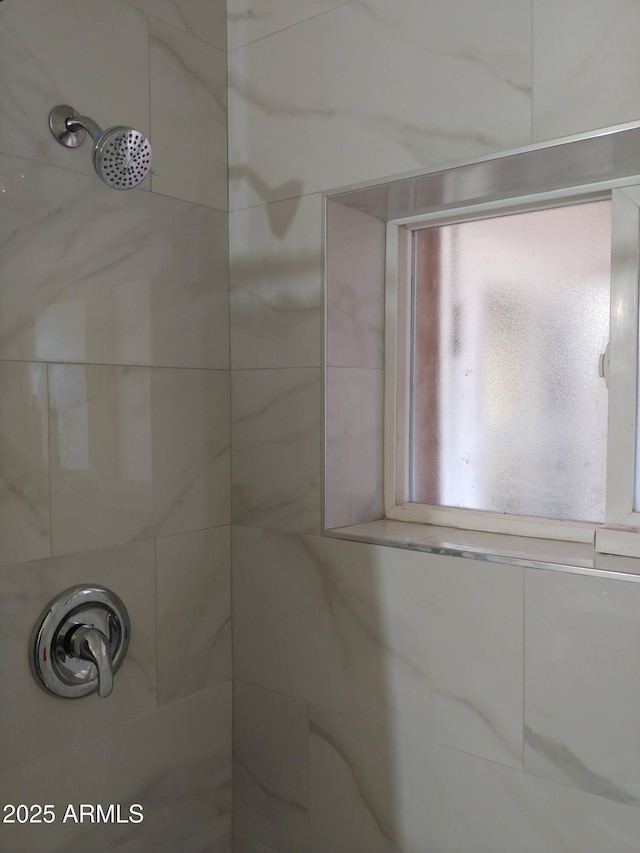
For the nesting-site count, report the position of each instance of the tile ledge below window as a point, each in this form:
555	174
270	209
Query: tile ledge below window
573	557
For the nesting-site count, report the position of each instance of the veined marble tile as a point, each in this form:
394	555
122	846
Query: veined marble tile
249	20
188	117
31	721
205	20
376	791
175	763
93	275
89	54
591	47
354	455
25	525
355	786
276	448
271	768
136	453
345	97
276	284
355	288
194	612
242	844
426	644
582	653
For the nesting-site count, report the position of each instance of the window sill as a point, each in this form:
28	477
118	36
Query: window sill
531	553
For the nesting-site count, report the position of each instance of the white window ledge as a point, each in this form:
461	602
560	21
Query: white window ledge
573	557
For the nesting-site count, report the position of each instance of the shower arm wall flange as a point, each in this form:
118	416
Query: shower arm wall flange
69	128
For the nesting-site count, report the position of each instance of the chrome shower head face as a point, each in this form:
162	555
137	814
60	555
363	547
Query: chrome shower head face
122	157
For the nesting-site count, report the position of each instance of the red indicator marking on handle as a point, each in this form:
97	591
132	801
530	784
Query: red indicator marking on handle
44	654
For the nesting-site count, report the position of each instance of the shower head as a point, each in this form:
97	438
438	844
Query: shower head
121	155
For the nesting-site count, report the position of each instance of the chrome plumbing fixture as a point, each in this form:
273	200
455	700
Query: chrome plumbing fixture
121	155
79	642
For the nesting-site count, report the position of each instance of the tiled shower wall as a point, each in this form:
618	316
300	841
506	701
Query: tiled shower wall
114	417
384	700
389	700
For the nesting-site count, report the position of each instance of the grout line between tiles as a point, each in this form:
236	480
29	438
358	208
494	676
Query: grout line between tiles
524	657
155	589
53	363
149	91
109	729
263	847
127	544
226	82
288	27
275	201
308	713
49	454
383	725
533	3
184	30
45	164
506	767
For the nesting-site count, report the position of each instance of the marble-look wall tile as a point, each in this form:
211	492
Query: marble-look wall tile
188	117
374	790
591	46
175	763
250	20
271	768
355	288
582	654
356	785
426	644
194	612
204	19
136	453
93	275
242	844
31	721
359	106
99	277
276	283
276	448
354	446
87	53
25	527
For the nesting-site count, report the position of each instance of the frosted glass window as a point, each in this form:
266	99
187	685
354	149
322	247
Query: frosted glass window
510	315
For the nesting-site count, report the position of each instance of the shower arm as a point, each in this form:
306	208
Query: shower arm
76	123
121	154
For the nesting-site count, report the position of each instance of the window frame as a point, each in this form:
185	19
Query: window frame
620	517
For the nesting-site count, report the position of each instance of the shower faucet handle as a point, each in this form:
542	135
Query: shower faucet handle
90	644
79	642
